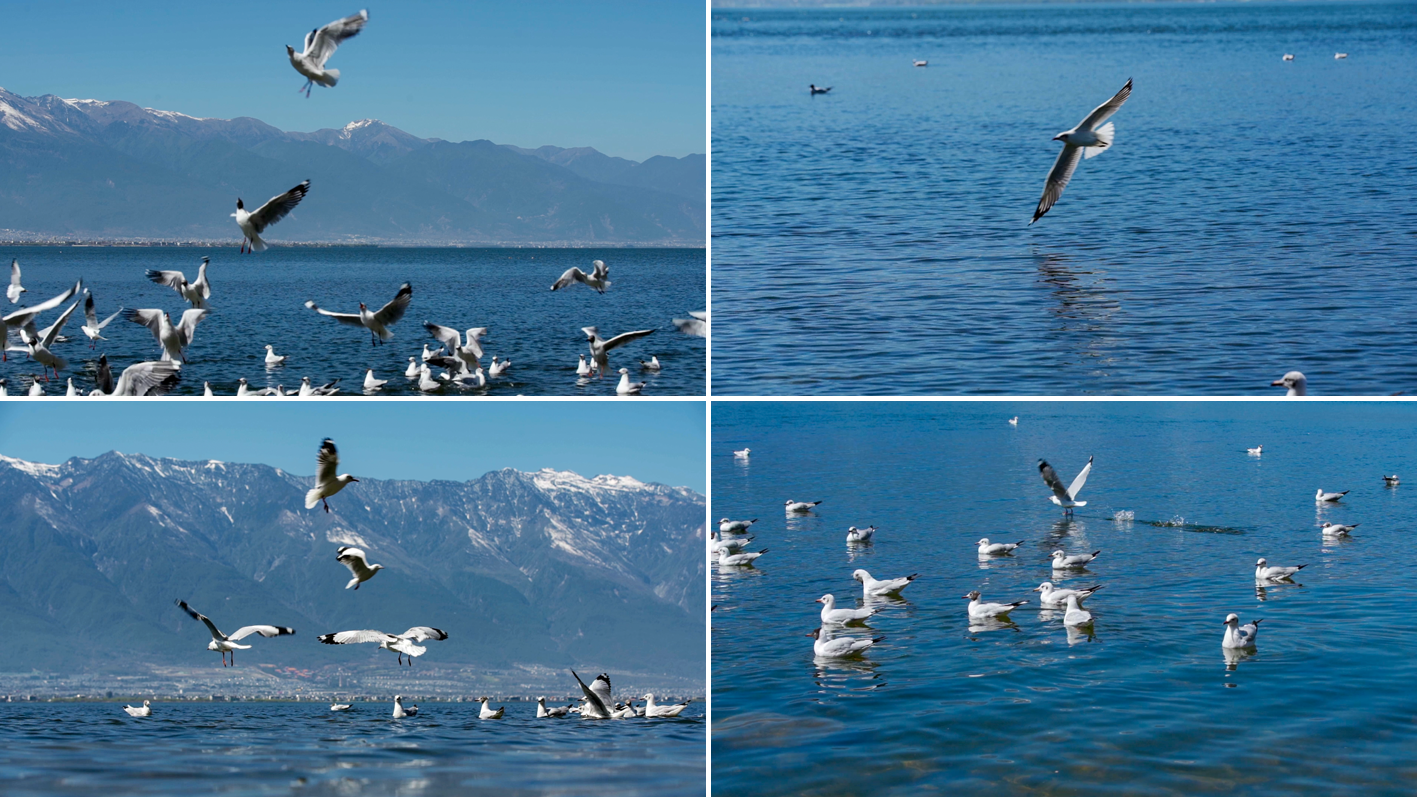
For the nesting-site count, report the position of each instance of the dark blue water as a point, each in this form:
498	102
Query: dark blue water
259	299
1254	216
303	748
1148	704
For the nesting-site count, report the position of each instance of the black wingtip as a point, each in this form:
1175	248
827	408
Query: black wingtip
328	639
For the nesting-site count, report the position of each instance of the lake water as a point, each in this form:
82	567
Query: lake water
259	299
1148	704
1254	216
303	748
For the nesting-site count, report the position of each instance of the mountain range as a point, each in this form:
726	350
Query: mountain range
92	169
522	570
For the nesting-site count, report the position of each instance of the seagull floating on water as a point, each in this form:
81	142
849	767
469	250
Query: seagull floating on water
980	610
359	567
1066	498
727	559
1013	421
1294	383
1263	572
871	587
320	44
626	387
1240	636
1337	56
402	644
799	507
735	526
1054	598
227	644
1336	530
542	712
13	292
652	364
743	454
825	646
854	534
370	383
653	709
818	89
599	278
1087	139
272	358
400	712
696	326
921	63
275	209
833	615
1061	561
487	713
733	545
1288	57
987	548
145	710
1322	497
340	707
1391	481
377	323
1076	615
327	481
1256	451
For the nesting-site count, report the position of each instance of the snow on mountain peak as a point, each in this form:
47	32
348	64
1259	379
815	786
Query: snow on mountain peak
32	468
349	129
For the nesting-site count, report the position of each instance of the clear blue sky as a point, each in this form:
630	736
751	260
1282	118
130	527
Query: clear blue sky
653	441
624	76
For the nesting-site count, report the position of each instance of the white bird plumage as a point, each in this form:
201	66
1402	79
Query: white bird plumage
978	609
1065	497
377	323
275	209
1264	572
15	289
1322	497
872	587
327	480
1240	636
987	548
402	644
834	616
1294	383
145	710
358	564
1089	138
195	293
320	44
226	643
827	646
599	278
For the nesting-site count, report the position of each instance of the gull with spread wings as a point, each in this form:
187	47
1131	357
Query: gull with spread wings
599	278
1089	138
196	293
402	644
320	44
599	347
253	224
1066	498
174	338
327	481
227	644
377	323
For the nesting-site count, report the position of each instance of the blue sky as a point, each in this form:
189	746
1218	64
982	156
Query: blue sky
659	441
624	76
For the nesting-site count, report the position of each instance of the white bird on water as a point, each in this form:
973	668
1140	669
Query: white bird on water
815	89
1240	636
1338	56
742	454
1391	481
412	370
402	644
735	526
826	646
599	347
1054	598
499	368
799	507
36	389
542	712
93	326
227	644
1089	138
1294	383
377	323
196	293
626	387
488	713
1288	57
871	587
272	358
1256	451
727	559
13	292
854	534
1322	497
833	615
1263	572
1066	498
583	367
732	545
145	710
340	707
987	548
359	567
207	389
1013	421
1061	561
599	278
1336	530
320	44
980	610
1076	615
174	339
370	383
327	481
921	63
275	209
653	709
400	712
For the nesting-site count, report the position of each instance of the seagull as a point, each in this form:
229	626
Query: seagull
733	545
799	507
196	293
831	614
1067	499
377	323
359	567
468	353
497	369
1240	636
227	644
39	348
173	339
426	382
1061	561
742	454
1322	497
1053	598
854	534
370	383
697	325
487	713
542	712
583	369
149	378
920	63
1336	530
1391	481
652	364
36	389
1013	421
599	347
327	483
4	389
818	89
23	319
653	710
597	697
307	389
873	588
275	209
1265	573
272	358
399	711
71	391
1337	56
987	548
340	707
144	710
825	646
1294	382
402	644
1256	451
980	610
320	44
735	526
726	559
626	387
207	389
1288	57
1087	139
1076	615
599	278
412	370
13	292
93	326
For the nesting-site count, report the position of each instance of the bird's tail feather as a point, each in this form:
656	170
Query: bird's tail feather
312	498
257	245
331	78
353	582
1104	134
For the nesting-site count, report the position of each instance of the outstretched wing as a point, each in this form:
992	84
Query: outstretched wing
217	635
187	327
355	637
14	273
326	462
278	206
395	309
142	379
19	317
332	35
591	697
172	279
601	270
572	274
201	284
104	379
1051	479
449	337
90	318
1106	109
263	630
152	319
1058	178
53	331
419	633
620	340
351	319
1076	486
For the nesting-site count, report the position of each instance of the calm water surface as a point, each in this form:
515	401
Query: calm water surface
1148	704
303	748
259	299
1255	216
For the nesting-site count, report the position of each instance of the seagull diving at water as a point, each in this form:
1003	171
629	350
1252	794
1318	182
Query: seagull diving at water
402	644
275	209
1089	138
377	323
320	44
227	644
1066	498
599	278
327	482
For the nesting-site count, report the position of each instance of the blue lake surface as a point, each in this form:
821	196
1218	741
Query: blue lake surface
1148	704
1254	216
259	299
303	748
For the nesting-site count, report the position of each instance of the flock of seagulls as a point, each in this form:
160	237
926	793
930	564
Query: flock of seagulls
727	544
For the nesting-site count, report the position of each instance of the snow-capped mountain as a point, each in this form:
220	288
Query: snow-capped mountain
549	568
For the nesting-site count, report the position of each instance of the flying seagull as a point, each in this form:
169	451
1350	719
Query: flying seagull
359	567
13	292
1085	140
1066	498
377	323
402	644
599	278
39	347
227	644
275	209
697	326
93	326
468	354
196	293
23	319
150	378
320	44
174	339
599	347
327	483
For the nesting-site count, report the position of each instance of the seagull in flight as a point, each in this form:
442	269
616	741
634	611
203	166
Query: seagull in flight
599	347
173	339
23	319
275	209
697	325
1089	138
377	323
1066	498
196	293
227	644
327	483
599	278
359	567
151	378
320	44
402	644
93	326
38	347
13	292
